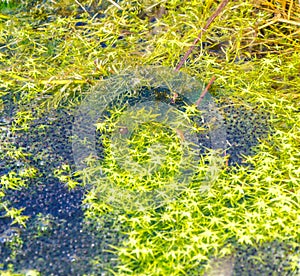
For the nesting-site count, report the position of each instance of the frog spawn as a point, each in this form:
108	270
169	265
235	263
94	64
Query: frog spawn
245	126
55	241
61	233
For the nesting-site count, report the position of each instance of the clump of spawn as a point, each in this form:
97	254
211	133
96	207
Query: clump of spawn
271	258
245	126
57	239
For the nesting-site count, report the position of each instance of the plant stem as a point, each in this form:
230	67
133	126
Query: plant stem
205	90
209	21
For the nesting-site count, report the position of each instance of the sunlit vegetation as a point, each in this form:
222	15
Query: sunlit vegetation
52	54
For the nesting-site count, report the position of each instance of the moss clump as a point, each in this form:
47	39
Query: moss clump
51	54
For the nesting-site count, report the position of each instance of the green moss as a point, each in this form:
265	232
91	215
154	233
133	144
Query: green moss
51	54
7	6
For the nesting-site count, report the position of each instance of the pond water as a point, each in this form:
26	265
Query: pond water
58	238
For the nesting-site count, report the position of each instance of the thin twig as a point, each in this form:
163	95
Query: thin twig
83	7
209	21
115	4
205	90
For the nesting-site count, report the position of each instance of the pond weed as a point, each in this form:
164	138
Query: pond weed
51	55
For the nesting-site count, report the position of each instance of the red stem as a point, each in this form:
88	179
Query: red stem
209	21
205	90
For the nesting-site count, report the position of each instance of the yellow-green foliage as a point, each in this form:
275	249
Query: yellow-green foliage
50	58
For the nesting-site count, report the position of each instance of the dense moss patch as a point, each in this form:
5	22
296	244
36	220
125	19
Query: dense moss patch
241	203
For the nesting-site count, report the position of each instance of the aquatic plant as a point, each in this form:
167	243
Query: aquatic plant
52	54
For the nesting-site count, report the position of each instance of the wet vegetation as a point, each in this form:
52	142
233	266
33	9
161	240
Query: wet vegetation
159	198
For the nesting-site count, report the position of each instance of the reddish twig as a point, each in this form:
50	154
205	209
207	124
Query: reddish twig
205	90
209	21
